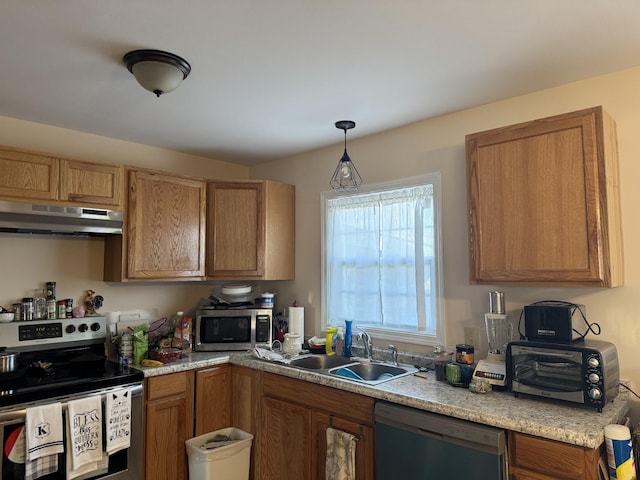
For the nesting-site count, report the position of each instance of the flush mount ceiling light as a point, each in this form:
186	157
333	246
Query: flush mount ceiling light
346	177
157	71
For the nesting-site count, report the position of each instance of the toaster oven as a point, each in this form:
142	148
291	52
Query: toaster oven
585	374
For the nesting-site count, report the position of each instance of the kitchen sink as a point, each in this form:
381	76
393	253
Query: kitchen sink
371	373
320	362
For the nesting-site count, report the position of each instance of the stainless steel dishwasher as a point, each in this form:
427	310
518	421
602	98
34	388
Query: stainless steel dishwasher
413	444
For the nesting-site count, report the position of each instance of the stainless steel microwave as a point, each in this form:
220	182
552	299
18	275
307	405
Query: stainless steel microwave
232	329
585	373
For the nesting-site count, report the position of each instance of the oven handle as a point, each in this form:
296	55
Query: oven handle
545	353
137	389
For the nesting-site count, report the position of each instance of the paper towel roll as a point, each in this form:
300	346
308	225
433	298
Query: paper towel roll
617	439
296	320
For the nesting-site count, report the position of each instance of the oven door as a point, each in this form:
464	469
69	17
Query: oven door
123	465
549	372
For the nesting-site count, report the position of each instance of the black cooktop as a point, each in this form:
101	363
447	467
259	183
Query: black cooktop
49	374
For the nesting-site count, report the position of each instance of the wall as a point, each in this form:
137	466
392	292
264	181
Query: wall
26	262
438	145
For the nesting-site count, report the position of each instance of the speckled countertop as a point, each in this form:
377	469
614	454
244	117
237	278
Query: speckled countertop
565	423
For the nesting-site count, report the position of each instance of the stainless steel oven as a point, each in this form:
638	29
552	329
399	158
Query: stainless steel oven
62	361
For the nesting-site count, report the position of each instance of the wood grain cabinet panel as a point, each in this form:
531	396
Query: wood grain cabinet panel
213	399
28	175
165	226
543	202
250	230
534	458
168	424
91	183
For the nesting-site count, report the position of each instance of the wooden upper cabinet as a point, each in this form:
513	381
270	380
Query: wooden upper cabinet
91	183
543	202
250	230
165	226
28	175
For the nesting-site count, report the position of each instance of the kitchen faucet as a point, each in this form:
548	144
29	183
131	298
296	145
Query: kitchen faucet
366	343
394	354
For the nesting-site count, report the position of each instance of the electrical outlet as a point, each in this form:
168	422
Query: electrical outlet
472	336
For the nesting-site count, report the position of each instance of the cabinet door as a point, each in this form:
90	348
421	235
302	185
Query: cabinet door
364	461
91	183
543	202
166	217
168	424
213	399
28	176
286	441
235	229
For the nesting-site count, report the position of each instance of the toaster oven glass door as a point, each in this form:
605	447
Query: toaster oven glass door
226	329
551	370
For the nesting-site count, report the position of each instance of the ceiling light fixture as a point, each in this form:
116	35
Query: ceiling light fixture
346	177
157	71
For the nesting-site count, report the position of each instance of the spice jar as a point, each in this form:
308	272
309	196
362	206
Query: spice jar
27	308
465	354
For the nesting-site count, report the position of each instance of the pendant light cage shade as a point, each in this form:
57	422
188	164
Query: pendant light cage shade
345	178
157	71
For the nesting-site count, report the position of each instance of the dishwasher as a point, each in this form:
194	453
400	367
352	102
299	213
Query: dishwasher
414	444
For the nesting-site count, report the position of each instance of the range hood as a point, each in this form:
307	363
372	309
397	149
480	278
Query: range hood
17	217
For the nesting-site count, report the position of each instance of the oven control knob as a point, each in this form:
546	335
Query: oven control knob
594	378
70	328
95	327
593	362
83	327
595	394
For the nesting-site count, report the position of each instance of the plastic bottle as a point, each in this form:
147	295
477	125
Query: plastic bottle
348	338
329	348
338	342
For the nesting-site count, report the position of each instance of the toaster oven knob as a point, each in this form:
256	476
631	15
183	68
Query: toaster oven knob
594	378
595	394
593	362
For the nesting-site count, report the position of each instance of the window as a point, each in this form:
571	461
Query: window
381	261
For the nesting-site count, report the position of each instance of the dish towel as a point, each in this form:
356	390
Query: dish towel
341	455
44	431
85	432
118	420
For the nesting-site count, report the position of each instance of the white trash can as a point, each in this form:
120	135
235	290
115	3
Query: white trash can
230	461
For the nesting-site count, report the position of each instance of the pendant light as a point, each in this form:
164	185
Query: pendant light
157	71
346	177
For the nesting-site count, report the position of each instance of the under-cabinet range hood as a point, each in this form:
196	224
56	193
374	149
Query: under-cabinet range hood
17	217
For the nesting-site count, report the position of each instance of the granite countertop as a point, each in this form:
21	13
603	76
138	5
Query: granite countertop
569	424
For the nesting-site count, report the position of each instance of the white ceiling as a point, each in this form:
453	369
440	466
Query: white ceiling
270	77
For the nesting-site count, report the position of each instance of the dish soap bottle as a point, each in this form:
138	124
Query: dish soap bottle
329	347
348	338
338	342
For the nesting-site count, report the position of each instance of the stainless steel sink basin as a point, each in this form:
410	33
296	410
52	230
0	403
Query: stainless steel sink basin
371	373
320	362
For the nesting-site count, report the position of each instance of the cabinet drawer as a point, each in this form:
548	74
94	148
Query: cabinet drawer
551	458
168	385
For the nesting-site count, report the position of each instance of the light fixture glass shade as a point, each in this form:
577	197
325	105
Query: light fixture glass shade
157	71
345	178
157	77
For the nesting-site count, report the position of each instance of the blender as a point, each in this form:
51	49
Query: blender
499	331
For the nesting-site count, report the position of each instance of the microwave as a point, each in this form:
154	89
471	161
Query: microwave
232	329
585	374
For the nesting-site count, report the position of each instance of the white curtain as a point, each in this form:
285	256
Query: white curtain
380	259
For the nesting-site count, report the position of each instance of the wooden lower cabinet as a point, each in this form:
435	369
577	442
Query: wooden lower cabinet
168	424
295	418
534	458
213	399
